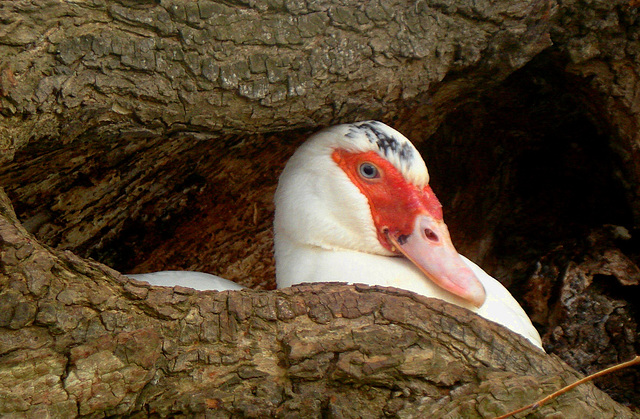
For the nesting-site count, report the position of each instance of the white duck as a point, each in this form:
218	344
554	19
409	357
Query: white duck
351	201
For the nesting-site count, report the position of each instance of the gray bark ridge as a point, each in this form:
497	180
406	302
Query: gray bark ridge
73	66
79	339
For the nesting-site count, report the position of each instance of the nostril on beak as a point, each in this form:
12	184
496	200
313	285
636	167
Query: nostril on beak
403	239
429	234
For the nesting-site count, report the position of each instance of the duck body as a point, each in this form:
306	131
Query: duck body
312	264
354	204
197	280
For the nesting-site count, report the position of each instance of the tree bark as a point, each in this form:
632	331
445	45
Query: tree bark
80	339
582	294
114	67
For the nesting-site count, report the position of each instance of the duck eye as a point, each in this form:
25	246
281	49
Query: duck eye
368	171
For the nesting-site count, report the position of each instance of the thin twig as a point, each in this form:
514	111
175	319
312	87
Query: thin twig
563	390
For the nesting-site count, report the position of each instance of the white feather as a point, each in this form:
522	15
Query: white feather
197	280
297	264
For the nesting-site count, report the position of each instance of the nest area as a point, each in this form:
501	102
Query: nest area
522	169
519	169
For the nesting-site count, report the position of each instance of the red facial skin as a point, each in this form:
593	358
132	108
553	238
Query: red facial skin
396	201
408	221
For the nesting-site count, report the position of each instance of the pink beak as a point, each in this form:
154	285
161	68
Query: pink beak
429	247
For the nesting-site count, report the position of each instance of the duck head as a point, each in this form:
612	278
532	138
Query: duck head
364	187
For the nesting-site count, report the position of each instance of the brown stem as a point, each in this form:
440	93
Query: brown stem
563	390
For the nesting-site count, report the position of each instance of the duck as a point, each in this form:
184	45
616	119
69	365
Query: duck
353	204
200	281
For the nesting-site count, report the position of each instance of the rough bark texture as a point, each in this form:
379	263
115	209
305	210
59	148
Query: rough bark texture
600	41
81	339
173	202
583	296
149	135
109	66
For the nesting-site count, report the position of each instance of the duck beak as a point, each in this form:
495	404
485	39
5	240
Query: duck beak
429	247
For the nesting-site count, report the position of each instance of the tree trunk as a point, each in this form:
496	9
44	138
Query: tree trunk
150	135
115	68
81	339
